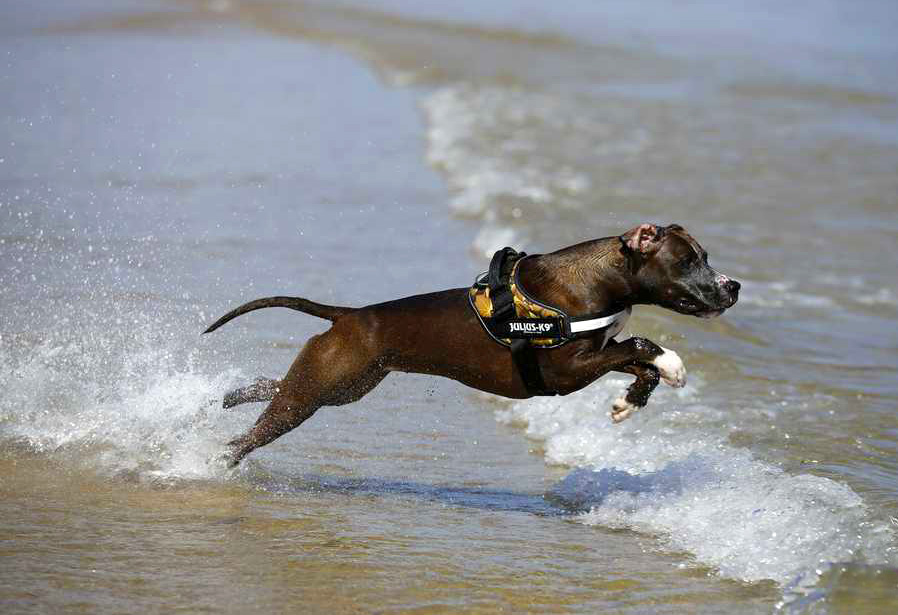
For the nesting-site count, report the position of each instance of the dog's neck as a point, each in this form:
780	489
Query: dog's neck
585	278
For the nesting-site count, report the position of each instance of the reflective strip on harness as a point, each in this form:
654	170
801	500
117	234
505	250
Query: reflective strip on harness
579	326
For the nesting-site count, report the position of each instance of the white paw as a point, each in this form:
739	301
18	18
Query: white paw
621	409
673	372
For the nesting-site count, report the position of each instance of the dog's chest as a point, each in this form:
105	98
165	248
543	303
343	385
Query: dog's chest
617	325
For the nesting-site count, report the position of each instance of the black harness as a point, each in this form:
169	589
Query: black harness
522	335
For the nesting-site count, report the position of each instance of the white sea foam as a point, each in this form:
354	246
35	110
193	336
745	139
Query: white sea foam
881	296
127	404
490	143
670	472
780	294
492	237
860	289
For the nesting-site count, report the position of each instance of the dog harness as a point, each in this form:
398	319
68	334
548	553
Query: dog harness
518	321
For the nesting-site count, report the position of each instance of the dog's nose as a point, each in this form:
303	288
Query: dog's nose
732	286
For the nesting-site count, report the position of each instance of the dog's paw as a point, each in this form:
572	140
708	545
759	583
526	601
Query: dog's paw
621	409
671	367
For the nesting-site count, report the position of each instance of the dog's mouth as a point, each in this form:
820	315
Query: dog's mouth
709	313
692	308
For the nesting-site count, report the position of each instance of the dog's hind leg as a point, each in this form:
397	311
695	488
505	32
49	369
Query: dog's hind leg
263	389
334	368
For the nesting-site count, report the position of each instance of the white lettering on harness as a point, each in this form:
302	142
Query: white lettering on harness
529	327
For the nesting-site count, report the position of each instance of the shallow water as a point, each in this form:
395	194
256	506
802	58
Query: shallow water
162	162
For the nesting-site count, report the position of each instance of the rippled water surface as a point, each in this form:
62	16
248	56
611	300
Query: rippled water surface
161	162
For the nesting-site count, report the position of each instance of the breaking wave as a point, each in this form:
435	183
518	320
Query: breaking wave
671	473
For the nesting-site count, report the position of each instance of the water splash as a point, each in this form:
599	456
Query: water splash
670	472
134	401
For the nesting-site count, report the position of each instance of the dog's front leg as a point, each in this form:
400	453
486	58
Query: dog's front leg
644	359
638	393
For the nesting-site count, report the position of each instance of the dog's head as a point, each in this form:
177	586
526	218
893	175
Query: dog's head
672	271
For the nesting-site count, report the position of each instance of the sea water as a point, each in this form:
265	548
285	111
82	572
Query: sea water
161	163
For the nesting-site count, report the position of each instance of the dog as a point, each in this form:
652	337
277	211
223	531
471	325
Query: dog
440	334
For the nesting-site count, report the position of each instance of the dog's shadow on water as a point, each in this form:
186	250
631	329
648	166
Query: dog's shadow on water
578	492
583	488
465	497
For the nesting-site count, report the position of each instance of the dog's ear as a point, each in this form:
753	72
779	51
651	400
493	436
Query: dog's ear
644	239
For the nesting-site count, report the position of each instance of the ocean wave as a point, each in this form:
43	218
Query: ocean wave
503	164
781	294
863	290
671	473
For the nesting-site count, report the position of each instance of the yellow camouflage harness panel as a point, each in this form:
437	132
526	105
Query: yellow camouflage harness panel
524	308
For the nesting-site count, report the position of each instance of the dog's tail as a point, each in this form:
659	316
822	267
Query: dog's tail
330	312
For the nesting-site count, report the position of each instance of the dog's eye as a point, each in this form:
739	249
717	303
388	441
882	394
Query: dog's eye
687	263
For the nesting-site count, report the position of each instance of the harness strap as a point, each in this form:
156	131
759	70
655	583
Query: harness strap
522	353
524	356
590	323
497	277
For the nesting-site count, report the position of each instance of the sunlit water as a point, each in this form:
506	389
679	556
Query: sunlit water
161	163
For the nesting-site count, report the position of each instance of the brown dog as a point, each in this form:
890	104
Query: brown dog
439	333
